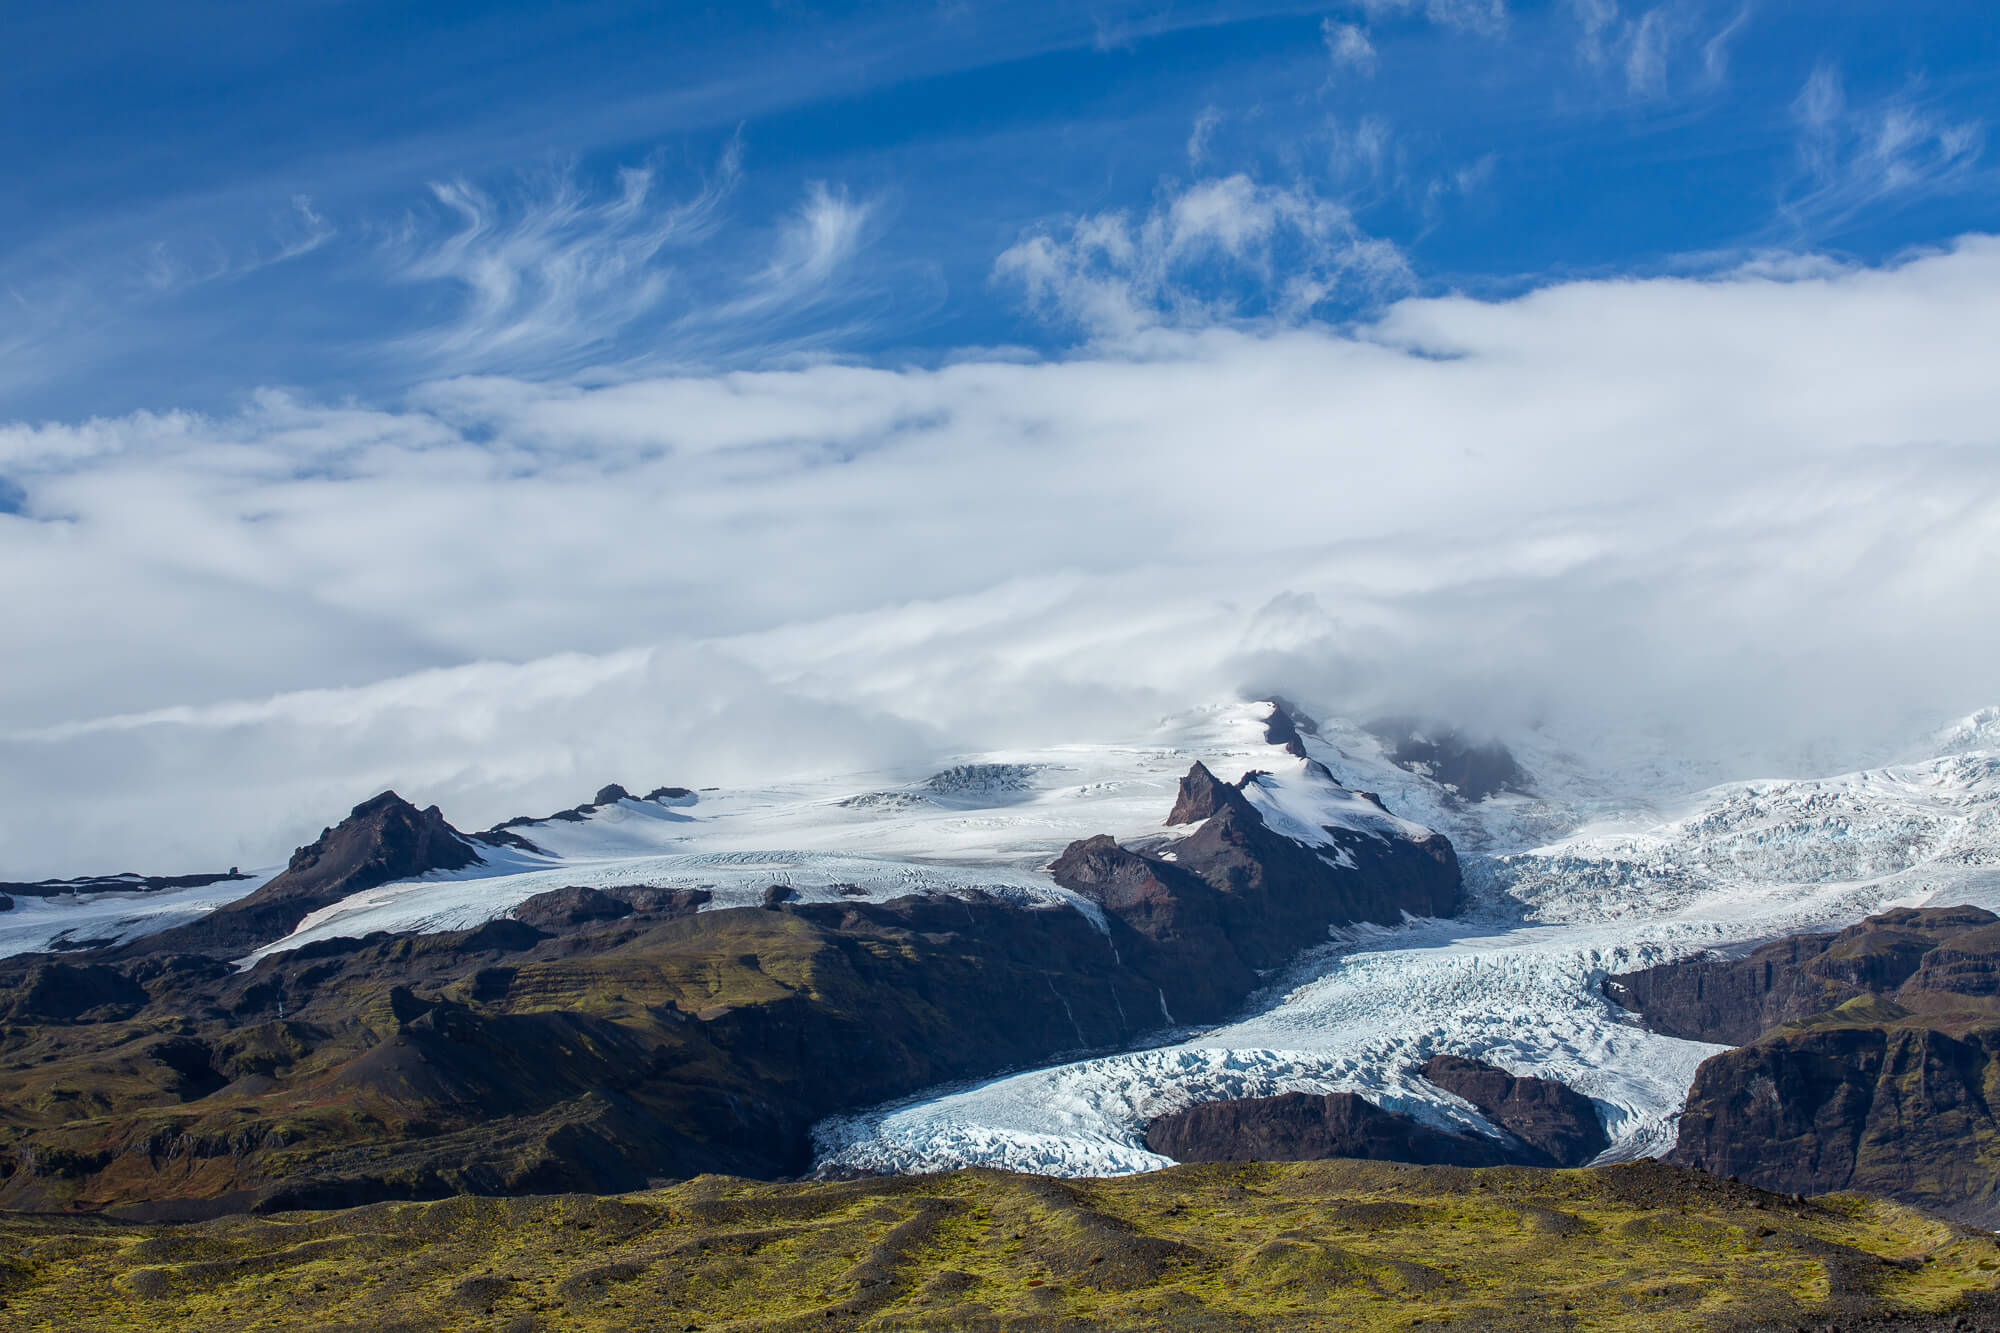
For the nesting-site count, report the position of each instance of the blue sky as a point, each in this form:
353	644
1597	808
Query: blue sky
208	198
495	401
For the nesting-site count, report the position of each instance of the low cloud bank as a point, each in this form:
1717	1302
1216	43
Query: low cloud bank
1758	514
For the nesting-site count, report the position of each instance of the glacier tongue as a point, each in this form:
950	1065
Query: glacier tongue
1519	988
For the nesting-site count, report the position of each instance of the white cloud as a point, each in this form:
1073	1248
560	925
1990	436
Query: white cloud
1348	46
1222	248
551	272
1646	59
1715	51
1638	50
1483	16
1853	157
1821	101
1762	508
1199	135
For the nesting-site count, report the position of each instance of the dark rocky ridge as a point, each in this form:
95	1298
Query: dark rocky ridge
1736	1000
599	1039
381	840
1549	1124
1472	770
1553	1119
503	834
596	1055
1301	1127
1210	911
1876	1069
125	883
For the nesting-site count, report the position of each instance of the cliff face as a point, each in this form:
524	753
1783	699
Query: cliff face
629	1039
1545	1124
1207	912
1552	1119
1300	1127
1734	1001
1874	1068
1886	1107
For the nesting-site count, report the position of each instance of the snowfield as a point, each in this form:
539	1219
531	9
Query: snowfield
1597	871
86	920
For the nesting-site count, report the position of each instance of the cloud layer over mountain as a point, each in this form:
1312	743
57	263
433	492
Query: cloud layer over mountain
1759	509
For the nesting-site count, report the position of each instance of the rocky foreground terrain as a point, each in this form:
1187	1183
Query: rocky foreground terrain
1323	1245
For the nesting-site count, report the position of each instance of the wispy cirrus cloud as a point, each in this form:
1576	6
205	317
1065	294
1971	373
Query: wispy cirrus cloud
1347	45
550	271
1484	16
1220	249
297	231
1894	149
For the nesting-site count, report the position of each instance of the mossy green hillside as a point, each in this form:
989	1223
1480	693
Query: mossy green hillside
1316	1245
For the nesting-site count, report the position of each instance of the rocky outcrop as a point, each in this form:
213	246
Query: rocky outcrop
1205	914
381	840
1735	1000
1558	1123
506	833
572	906
1301	1127
1470	770
1202	795
579	905
1887	1107
1287	726
1873	1069
1547	1124
125	883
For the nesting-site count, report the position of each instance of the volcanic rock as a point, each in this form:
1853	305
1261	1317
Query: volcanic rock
1300	1127
1877	1071
381	840
572	906
1734	1001
1555	1120
1472	770
1234	898
125	883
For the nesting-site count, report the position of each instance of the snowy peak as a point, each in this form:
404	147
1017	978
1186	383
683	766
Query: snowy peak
1253	883
1203	795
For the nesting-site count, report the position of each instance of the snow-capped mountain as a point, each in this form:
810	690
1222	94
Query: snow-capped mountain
1574	874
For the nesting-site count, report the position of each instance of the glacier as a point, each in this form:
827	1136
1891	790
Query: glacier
1599	867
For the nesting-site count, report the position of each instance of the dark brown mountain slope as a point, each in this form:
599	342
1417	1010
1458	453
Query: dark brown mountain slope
1880	1070
602	1039
381	840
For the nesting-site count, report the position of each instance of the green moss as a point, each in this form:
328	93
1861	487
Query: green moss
1323	1245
